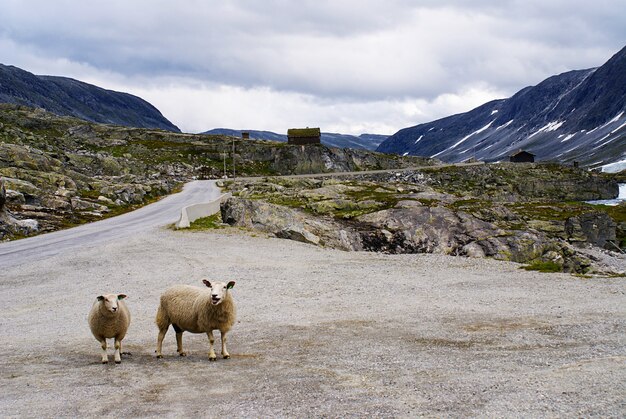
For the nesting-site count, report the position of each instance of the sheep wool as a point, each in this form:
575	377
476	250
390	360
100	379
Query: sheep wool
109	318
197	310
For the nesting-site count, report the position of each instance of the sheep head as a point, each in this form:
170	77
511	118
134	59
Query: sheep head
110	301
219	290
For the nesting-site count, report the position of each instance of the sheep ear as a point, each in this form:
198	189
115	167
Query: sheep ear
121	296
230	285
207	283
100	297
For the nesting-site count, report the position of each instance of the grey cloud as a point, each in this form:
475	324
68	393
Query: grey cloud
353	49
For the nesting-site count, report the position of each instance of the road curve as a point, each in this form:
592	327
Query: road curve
160	213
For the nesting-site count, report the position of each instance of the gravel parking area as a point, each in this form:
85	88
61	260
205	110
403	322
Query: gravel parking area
320	333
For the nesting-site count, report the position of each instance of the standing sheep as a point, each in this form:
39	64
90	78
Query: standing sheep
109	318
197	310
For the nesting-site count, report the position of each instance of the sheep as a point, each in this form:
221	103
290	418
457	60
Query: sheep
109	318
197	310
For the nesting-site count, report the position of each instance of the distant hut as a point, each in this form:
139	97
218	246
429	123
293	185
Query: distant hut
521	156
245	135
304	136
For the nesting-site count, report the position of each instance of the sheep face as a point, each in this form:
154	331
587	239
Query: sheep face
218	290
110	301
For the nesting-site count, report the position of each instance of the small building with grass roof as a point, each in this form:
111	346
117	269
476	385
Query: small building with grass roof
304	136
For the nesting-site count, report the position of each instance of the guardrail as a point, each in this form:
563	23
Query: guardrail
191	213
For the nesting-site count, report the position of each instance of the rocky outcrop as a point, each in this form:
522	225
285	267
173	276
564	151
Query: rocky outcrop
10	226
594	227
45	193
408	228
288	223
519	182
3	196
410	213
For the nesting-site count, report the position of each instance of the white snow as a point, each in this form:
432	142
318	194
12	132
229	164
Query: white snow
614	167
442	151
618	128
494	111
550	126
567	137
421	136
478	131
615	119
505	125
431	129
405	154
601	140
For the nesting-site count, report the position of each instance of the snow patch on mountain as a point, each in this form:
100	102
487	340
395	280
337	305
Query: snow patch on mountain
550	126
478	131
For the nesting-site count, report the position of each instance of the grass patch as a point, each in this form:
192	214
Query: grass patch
208	223
550	211
542	266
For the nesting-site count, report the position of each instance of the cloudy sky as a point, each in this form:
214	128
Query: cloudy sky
349	66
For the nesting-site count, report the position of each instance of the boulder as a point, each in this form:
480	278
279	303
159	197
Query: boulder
288	223
9	226
3	195
593	227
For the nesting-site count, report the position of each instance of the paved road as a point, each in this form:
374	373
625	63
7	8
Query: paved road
163	212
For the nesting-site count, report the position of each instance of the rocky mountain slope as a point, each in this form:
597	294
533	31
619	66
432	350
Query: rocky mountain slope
69	97
363	141
575	116
60	171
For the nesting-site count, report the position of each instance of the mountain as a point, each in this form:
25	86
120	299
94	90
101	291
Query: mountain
575	116
69	97
363	141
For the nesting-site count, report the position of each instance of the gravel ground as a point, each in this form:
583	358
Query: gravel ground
320	333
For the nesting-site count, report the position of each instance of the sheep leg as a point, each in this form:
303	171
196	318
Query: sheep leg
105	357
118	351
179	340
225	353
162	333
179	343
212	356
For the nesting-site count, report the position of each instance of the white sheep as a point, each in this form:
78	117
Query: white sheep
109	318
197	310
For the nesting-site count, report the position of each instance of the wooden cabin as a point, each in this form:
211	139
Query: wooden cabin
304	136
521	156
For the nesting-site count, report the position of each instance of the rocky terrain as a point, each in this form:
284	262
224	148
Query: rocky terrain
575	116
61	171
528	213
